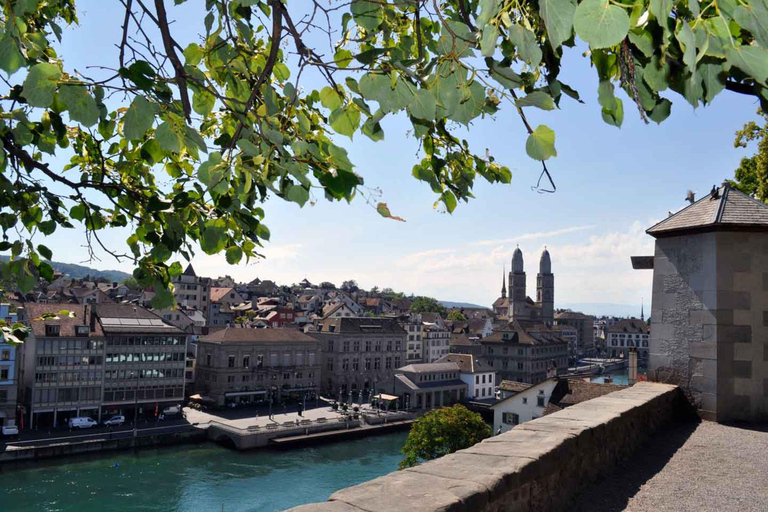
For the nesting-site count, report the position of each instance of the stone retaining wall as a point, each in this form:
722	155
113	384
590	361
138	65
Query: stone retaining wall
540	465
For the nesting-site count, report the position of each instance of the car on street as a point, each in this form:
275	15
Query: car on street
81	422
10	430
115	421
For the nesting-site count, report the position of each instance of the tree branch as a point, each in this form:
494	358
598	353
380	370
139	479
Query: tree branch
181	80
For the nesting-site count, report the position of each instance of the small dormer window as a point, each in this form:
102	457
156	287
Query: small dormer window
52	330
82	330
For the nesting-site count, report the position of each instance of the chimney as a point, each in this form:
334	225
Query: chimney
93	319
632	365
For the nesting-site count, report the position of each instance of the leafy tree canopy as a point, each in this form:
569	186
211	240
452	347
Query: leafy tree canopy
426	305
181	145
326	285
751	177
131	284
350	286
443	431
456	316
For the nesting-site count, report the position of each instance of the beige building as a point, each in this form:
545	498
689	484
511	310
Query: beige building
429	385
585	327
242	365
360	355
630	332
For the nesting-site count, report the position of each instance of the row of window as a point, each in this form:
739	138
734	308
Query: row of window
370	346
162	373
417	337
368	363
46	396
70	345
253	378
65	377
123	395
145	357
438	376
119	341
287	359
69	360
630	343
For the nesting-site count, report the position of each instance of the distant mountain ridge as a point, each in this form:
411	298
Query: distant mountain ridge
450	304
80	271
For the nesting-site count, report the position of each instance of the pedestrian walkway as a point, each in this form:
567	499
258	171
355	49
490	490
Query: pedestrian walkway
260	417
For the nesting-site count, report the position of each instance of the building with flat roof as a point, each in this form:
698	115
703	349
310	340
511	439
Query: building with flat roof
429	385
243	365
98	360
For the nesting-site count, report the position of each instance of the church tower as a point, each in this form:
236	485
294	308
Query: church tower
503	282
517	286
545	288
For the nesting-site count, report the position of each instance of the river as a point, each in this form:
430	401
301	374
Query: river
199	478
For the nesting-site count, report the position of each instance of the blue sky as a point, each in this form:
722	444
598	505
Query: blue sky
611	185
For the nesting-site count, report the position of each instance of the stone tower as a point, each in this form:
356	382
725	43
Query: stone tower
517	286
545	288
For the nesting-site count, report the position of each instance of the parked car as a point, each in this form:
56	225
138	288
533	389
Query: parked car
174	410
84	422
10	430
115	421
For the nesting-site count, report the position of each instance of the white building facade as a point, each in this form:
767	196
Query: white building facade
524	406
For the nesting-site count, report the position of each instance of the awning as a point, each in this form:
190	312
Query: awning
201	398
244	393
384	396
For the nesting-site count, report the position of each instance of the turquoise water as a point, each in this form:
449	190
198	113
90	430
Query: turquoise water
199	478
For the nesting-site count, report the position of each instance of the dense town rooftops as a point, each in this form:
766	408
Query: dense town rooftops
629	325
723	208
33	313
463	340
519	332
467	363
514	387
360	325
246	335
571	315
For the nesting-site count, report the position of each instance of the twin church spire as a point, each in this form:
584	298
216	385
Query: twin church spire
520	307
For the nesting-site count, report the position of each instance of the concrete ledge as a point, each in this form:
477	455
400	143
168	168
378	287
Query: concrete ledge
540	465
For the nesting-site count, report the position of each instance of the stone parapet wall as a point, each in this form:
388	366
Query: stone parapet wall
540	465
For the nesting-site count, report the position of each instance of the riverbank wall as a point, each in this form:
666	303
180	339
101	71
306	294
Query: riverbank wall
26	454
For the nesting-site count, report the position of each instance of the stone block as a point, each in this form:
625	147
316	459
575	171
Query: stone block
707	298
704	384
703	350
742	386
765	281
416	492
497	474
742	369
734	333
743	351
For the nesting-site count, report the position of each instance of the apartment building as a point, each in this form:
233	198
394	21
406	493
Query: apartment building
193	291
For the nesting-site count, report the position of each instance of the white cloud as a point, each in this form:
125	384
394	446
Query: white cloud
534	236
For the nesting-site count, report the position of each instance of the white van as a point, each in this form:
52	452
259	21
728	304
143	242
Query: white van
81	422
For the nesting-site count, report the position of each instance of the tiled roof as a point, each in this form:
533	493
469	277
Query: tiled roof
462	340
190	271
429	367
466	362
571	315
66	323
521	330
358	325
579	390
515	387
630	325
242	335
219	292
724	207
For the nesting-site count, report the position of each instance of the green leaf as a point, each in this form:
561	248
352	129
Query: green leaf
40	84
473	99
713	77
234	255
168	139
600	23
423	105
44	252
297	194
488	41
214	237
80	104
504	75
538	99
138	119
489	9
383	210
211	172
26	282
526	44
47	227
613	107
163	299
752	60
661	111
688	43
345	121
661	9
372	129
262	232
193	54
558	19
45	270
342	58
11	58
754	17
541	143
367	14
643	40
203	102
374	85
449	200
330	98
